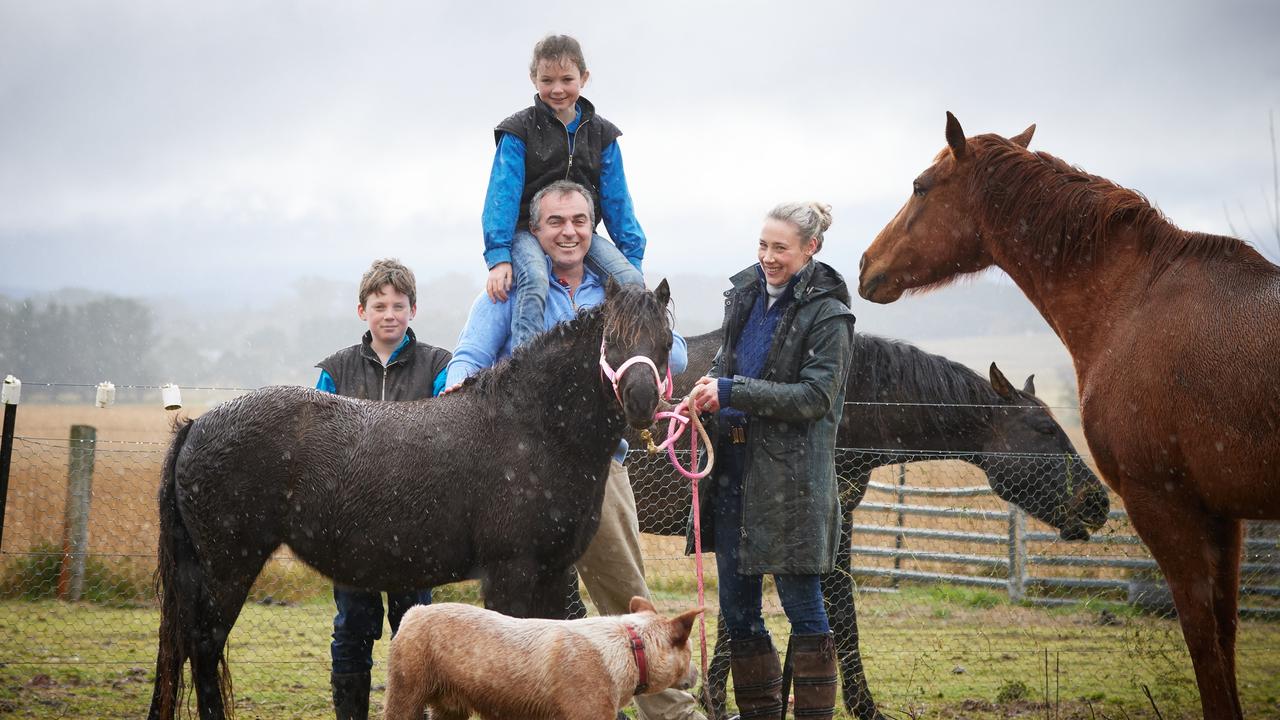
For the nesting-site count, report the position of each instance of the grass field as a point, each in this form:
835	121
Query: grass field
931	652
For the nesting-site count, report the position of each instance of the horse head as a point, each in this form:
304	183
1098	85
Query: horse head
1032	463
935	237
637	342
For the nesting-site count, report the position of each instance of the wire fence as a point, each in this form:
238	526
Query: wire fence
968	605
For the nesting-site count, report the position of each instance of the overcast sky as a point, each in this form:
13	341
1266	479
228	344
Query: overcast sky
227	149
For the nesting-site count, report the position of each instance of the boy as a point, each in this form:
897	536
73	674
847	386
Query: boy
389	364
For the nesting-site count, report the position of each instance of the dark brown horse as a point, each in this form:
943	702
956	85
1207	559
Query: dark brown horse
502	480
1176	341
905	405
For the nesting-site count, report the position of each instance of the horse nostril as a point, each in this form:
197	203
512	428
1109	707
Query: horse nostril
1074	531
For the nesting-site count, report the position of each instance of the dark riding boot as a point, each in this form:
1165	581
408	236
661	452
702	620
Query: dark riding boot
350	695
757	677
813	663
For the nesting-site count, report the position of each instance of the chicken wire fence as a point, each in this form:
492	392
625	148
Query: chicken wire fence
962	599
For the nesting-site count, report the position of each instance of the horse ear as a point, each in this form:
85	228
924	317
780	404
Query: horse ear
611	288
663	293
1001	384
1029	387
1023	139
682	626
955	137
639	604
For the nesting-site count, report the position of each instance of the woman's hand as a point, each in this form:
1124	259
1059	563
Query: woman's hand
499	282
705	396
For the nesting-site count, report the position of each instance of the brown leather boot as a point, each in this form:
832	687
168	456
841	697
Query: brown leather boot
813	667
757	677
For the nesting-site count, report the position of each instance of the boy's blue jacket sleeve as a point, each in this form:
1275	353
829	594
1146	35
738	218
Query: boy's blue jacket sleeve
502	200
617	210
482	341
325	383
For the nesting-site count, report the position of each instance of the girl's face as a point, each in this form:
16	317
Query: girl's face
559	84
782	253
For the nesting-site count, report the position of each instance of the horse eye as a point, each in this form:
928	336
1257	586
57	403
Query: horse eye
917	189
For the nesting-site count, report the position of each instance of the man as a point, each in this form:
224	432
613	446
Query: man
561	217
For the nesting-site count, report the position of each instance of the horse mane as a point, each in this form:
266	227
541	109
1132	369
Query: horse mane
898	371
621	315
1066	215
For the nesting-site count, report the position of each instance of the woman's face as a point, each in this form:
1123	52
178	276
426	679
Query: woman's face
782	252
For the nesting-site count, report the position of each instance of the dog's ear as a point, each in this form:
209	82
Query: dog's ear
639	604
682	626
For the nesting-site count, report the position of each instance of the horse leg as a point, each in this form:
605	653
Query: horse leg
1188	545
1226	600
838	594
715	684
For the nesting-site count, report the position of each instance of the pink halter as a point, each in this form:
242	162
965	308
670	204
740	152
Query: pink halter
664	386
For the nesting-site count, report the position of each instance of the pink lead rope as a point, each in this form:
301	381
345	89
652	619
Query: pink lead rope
678	419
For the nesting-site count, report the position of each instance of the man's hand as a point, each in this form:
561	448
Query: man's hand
705	396
499	282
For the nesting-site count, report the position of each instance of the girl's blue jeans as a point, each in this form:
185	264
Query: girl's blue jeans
529	271
741	596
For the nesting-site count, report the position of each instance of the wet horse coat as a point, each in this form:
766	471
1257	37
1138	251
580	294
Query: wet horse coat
892	415
487	482
1174	339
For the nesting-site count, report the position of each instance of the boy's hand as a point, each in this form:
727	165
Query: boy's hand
499	282
451	388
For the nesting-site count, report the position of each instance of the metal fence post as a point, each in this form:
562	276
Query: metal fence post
75	539
1017	553
897	539
12	388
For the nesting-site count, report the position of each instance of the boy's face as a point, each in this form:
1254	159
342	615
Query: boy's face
559	84
388	313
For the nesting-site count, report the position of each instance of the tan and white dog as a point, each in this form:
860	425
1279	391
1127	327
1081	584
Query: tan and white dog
462	660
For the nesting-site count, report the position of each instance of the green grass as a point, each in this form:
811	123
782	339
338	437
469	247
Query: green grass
985	659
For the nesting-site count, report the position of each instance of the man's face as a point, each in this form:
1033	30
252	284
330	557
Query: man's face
565	229
388	313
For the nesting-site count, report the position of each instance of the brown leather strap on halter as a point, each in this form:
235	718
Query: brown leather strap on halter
637	649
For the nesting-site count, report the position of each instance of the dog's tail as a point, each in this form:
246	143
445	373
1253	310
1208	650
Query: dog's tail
180	586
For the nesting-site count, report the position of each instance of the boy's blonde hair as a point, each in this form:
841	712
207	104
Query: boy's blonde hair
388	271
557	49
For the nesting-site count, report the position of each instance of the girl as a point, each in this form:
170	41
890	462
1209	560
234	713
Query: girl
558	137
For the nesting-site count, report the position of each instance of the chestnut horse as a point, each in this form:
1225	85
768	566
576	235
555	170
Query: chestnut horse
1175	337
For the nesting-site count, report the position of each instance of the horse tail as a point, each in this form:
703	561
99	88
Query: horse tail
180	585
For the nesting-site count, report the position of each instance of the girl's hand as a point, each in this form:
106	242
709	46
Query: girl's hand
706	395
499	282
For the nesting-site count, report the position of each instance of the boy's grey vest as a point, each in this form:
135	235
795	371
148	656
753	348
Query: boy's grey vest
358	373
547	156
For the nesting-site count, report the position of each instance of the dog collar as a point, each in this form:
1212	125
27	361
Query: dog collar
637	649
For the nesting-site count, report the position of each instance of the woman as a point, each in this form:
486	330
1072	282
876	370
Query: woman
778	386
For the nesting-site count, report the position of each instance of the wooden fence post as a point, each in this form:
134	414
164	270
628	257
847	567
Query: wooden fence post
75	536
1017	553
11	394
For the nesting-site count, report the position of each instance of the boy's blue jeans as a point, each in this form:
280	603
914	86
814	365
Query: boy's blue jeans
529	271
359	623
741	596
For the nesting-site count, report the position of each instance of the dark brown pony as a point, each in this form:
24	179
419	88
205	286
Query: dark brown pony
502	480
1176	341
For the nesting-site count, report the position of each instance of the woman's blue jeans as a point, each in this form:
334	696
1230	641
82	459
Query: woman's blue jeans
741	596
529	271
359	623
